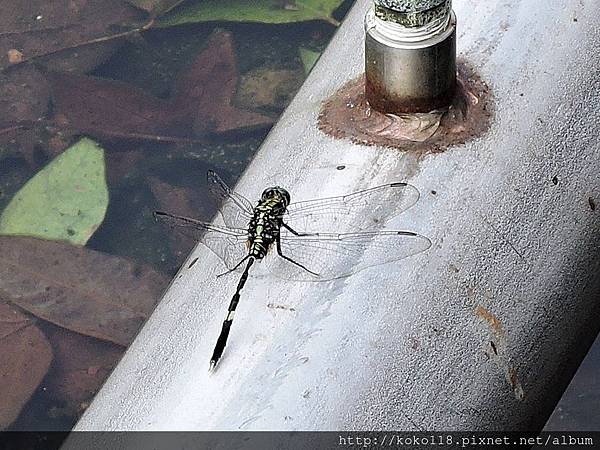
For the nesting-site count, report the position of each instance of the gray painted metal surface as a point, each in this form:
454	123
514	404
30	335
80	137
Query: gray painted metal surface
408	345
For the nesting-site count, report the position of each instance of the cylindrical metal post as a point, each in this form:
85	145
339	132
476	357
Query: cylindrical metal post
410	55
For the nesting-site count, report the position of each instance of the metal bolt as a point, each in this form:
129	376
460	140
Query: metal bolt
410	51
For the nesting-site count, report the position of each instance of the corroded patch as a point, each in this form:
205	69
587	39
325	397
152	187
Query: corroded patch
410	5
499	351
348	115
490	318
413	17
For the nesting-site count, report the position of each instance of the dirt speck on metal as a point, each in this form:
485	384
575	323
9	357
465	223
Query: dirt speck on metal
347	115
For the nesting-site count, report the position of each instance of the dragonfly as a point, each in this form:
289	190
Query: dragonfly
315	240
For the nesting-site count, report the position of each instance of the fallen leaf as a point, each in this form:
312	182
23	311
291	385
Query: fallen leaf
261	11
309	58
81	365
24	95
121	164
25	357
24	100
205	90
202	105
155	7
83	290
44	31
66	200
108	108
269	89
182	201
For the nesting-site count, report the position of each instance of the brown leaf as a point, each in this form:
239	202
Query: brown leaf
178	200
24	95
25	357
83	290
107	108
81	364
24	98
37	28
119	164
205	90
202	105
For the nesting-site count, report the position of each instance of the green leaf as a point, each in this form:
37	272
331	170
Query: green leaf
66	200
155	7
262	11
309	58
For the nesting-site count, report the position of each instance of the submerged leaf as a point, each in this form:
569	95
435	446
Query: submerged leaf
67	34
25	357
269	89
66	200
202	105
24	99
309	58
205	90
262	11
155	7
108	108
183	201
83	290
81	364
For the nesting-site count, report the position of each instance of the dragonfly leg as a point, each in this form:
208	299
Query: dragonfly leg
291	230
235	268
280	253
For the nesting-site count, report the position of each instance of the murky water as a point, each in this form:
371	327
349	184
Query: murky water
98	131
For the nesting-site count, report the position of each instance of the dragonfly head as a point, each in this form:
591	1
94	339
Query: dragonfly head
277	193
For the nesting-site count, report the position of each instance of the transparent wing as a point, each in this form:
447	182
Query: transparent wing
227	244
235	209
333	255
361	210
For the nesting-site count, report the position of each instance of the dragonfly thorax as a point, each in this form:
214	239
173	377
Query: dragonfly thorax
263	229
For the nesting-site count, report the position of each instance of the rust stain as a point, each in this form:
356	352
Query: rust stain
513	379
348	115
499	353
381	99
490	318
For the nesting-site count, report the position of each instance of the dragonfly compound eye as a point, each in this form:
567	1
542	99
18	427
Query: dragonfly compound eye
277	192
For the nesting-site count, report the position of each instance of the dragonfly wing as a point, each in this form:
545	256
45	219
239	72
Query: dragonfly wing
235	209
373	206
332	255
227	244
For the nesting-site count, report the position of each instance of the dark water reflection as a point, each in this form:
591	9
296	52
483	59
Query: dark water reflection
578	409
166	105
